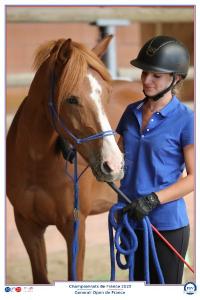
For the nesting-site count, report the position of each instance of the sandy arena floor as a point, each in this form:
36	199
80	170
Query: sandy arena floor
97	263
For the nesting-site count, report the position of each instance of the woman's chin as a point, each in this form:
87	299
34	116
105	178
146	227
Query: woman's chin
149	93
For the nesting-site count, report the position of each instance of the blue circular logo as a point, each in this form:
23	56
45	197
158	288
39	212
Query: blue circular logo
190	288
7	289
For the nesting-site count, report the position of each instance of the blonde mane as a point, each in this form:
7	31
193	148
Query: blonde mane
75	69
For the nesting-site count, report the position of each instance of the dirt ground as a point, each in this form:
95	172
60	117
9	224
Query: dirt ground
97	262
97	265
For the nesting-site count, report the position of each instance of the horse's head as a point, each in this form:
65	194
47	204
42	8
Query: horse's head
80	85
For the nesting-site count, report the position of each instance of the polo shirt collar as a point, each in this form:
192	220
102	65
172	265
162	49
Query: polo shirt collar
171	106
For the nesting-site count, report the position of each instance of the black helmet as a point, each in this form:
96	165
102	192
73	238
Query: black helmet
163	54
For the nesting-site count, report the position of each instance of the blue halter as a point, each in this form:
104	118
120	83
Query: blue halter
55	117
75	177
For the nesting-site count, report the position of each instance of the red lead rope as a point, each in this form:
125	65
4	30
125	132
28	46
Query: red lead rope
172	248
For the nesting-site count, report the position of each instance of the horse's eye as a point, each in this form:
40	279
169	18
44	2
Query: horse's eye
72	100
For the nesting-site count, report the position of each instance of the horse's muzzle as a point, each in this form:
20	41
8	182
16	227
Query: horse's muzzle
105	173
105	168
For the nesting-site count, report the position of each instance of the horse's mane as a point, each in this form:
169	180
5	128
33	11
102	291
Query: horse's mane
42	53
76	67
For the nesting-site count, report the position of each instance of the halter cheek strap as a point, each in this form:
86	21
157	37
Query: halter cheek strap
96	136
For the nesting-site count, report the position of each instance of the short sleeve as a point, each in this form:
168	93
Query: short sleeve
122	122
187	134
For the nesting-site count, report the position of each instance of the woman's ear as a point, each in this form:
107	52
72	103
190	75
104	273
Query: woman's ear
178	78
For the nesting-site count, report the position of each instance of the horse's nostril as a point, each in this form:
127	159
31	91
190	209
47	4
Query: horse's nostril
105	168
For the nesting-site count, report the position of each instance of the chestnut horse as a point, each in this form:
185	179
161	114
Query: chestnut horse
73	79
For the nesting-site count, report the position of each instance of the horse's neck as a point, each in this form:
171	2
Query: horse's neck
42	136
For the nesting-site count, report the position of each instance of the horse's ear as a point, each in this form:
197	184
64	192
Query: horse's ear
56	46
102	46
65	51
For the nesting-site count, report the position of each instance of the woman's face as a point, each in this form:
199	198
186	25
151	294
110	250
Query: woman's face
153	83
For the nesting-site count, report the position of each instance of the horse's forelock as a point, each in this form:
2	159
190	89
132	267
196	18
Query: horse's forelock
44	51
76	68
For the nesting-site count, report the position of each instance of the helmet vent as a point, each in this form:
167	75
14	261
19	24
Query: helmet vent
152	50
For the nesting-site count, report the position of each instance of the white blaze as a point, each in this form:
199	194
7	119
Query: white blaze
110	151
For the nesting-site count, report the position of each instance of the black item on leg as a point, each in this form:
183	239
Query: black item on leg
171	265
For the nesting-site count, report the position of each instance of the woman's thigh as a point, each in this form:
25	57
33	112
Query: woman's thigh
171	265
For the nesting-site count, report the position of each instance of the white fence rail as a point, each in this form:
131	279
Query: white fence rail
92	13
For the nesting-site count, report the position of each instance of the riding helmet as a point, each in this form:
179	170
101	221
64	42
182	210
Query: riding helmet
163	54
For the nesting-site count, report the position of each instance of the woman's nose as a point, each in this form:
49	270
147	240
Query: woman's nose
146	78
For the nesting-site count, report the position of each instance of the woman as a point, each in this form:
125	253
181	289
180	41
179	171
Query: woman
156	135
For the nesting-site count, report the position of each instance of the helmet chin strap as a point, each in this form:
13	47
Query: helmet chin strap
162	93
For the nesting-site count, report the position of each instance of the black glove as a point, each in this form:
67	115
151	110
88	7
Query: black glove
142	206
67	150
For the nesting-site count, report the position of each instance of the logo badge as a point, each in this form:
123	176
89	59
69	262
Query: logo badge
190	288
18	289
151	51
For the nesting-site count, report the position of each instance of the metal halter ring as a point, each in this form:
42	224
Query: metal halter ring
76	214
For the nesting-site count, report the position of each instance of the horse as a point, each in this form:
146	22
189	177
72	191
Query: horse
67	97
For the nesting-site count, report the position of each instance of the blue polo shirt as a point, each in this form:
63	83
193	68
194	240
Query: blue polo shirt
154	158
